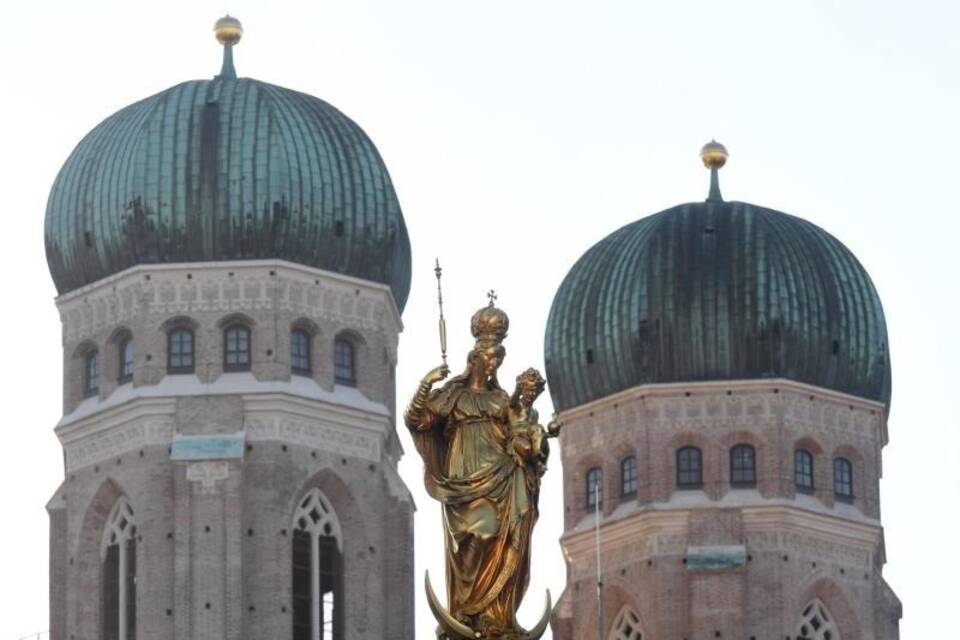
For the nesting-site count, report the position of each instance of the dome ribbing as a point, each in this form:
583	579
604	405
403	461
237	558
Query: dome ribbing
226	169
716	291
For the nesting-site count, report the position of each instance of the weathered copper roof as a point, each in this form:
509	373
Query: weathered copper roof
716	291
226	169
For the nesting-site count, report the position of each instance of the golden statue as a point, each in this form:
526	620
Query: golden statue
483	453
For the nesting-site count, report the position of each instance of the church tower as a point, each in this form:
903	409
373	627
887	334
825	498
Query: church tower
722	375
231	261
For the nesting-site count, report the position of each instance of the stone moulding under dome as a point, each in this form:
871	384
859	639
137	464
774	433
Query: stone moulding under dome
720	387
227	384
267	416
81	294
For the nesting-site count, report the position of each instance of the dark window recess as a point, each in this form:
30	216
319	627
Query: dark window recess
843	479
125	370
180	351
131	595
299	351
589	356
91	377
236	348
835	347
110	594
803	470
338	228
594	488
301	586
344	371
743	466
628	477
689	468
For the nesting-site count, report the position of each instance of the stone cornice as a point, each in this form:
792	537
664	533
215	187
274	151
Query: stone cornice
720	387
281	403
135	410
768	518
100	303
242	384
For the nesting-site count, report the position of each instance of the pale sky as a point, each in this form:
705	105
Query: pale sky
518	134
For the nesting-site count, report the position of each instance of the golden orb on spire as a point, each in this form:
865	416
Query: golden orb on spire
228	30
714	155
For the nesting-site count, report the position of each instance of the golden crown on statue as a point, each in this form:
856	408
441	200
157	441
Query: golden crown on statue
490	324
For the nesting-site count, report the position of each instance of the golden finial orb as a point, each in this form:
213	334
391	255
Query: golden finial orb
714	155
228	30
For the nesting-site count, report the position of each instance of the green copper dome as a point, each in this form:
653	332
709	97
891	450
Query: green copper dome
226	169
716	291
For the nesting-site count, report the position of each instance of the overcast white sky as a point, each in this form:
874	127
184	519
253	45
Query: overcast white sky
541	127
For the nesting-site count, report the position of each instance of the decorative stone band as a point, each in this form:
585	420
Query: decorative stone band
715	557
225	287
228	446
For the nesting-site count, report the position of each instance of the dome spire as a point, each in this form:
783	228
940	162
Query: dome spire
714	156
228	32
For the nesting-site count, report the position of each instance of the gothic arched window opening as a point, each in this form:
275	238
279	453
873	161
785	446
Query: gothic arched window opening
803	470
689	468
236	348
743	466
816	623
118	577
628	477
594	488
626	626
318	605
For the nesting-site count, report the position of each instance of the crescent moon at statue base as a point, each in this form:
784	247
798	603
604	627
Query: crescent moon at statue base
452	629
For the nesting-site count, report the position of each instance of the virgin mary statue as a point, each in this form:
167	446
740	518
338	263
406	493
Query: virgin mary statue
483	454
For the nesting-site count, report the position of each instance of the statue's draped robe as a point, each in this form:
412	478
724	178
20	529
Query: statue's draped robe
488	509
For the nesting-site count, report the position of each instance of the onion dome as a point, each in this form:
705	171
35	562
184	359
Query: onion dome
716	291
226	169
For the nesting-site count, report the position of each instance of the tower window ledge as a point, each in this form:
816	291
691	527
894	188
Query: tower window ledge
689	496
226	384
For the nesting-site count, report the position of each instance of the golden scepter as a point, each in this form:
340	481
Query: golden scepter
443	323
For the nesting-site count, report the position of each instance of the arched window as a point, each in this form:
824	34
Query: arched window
689	468
626	626
628	477
594	488
300	352
236	348
843	479
317	571
180	351
816	623
344	371
803	470
743	466
125	360
91	373
118	584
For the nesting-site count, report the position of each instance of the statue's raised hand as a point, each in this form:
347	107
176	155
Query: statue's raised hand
437	374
